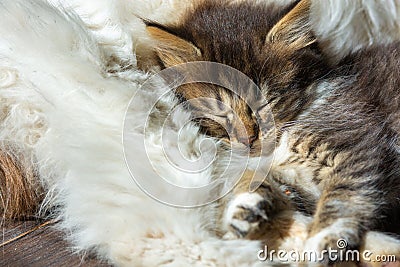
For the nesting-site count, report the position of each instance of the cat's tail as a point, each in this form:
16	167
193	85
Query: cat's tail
20	193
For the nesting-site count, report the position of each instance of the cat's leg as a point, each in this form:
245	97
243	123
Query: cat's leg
358	178
344	214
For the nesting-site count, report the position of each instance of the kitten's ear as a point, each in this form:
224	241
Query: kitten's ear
294	28
170	48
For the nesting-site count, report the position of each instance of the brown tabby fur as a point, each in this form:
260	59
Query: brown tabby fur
288	65
338	142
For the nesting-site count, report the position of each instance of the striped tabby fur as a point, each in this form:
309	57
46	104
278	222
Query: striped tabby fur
338	153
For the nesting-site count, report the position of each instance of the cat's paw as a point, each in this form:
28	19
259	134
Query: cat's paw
332	243
245	215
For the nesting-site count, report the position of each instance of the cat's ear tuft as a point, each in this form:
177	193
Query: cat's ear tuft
294	28
170	48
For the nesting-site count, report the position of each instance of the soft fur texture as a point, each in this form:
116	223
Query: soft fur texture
349	25
63	113
344	25
343	176
118	26
20	192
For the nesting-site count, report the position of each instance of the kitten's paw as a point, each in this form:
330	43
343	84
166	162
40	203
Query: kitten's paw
332	243
245	215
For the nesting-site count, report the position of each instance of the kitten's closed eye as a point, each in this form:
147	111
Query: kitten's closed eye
235	128
233	121
222	114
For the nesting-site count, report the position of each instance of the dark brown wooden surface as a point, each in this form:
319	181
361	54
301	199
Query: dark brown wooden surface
42	247
46	247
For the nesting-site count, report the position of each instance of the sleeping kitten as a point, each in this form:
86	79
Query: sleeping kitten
56	97
254	31
64	114
339	127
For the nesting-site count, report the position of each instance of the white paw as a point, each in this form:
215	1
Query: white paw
337	237
244	215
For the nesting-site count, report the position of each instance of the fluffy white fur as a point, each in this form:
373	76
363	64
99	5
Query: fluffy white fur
117	24
346	26
63	112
